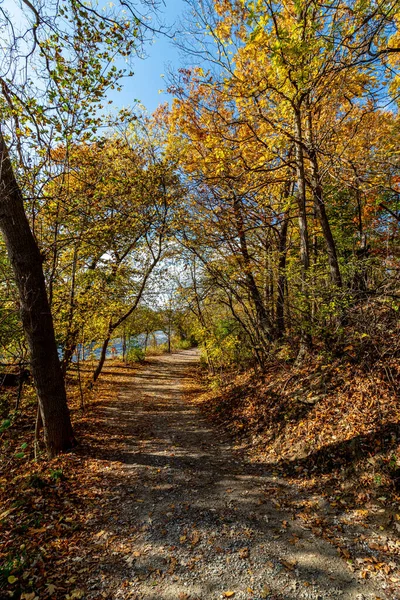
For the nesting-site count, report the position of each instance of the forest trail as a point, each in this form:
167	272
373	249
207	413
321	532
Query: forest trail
188	518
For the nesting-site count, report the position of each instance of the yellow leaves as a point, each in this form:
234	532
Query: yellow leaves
195	538
5	514
223	29
266	591
222	6
229	594
290	565
76	594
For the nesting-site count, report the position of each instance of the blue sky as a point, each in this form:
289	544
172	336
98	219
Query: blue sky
147	79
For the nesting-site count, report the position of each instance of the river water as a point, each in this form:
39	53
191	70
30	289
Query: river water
115	347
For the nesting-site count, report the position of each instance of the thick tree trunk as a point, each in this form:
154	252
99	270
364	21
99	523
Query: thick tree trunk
35	311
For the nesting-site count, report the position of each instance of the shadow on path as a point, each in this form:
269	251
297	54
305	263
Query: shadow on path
192	520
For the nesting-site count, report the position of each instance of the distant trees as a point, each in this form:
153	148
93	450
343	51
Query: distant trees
105	223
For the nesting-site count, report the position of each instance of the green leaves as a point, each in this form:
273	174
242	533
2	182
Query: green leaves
5	425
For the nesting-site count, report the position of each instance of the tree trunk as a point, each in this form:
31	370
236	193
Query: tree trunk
305	334
102	358
360	278
69	351
336	277
169	341
320	208
169	329
281	285
71	336
264	322
35	311
113	325
124	345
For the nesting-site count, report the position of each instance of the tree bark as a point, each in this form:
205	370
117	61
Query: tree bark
264	322
305	333
102	358
281	285
37	321
320	207
72	335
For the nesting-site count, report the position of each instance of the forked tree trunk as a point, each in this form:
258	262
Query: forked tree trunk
35	311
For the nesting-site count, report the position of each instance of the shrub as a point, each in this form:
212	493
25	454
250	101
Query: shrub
135	353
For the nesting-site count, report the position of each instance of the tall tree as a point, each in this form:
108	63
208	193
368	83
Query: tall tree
53	74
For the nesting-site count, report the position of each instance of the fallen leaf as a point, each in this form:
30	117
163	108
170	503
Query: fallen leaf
265	591
76	594
289	564
195	538
6	513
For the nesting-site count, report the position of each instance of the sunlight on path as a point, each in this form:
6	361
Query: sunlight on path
193	523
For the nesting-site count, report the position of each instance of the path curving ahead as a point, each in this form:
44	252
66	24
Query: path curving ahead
190	519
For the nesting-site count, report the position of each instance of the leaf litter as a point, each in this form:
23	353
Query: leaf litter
66	531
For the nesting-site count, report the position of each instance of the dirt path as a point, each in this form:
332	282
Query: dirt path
190	519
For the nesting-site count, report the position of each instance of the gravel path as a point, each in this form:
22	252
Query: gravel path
191	520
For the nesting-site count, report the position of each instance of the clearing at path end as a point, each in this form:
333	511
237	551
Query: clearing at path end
190	519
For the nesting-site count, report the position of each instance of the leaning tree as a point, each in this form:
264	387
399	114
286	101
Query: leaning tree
58	60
